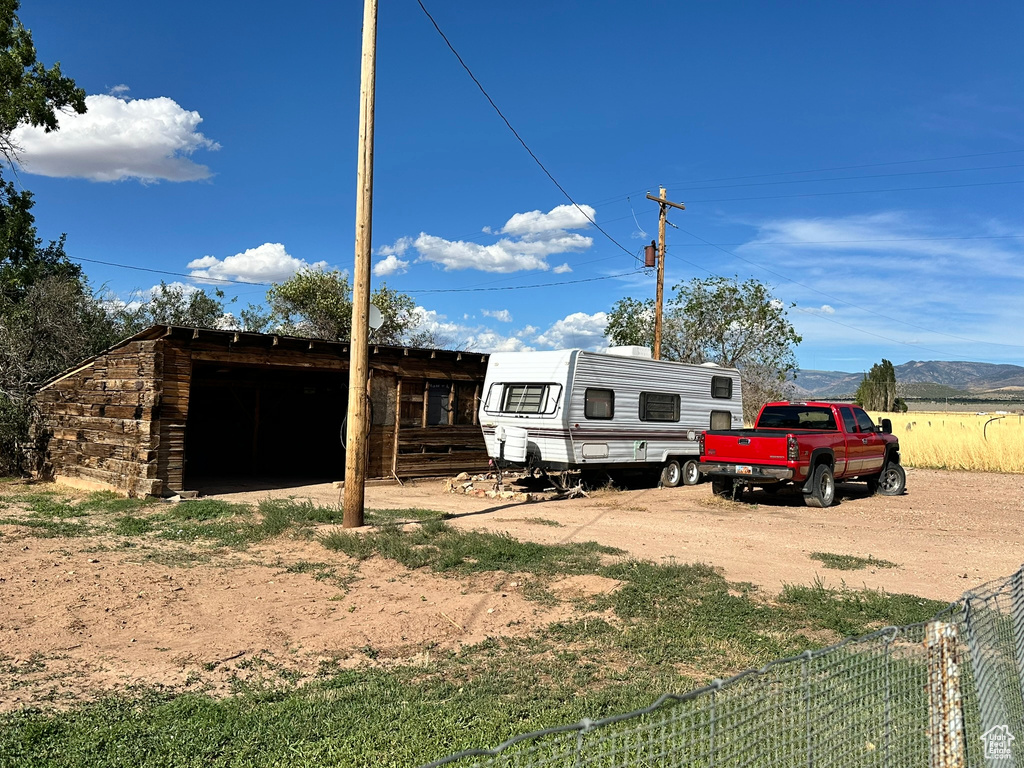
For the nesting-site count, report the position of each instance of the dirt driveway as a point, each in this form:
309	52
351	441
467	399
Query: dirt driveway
950	531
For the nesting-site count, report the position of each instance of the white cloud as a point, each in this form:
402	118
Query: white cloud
529	239
392	265
118	90
489	341
502	315
576	330
268	263
561	269
535	224
116	139
400	247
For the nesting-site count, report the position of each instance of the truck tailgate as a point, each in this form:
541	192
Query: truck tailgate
745	447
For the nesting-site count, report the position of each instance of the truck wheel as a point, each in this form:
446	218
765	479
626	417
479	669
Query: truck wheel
823	487
691	475
671	474
893	480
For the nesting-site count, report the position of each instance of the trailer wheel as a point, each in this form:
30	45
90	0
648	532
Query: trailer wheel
671	474
691	475
823	487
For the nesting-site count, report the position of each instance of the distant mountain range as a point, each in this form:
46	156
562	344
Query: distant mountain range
934	379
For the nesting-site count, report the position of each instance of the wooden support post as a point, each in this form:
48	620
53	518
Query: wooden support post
426	400
945	708
476	405
398	426
451	405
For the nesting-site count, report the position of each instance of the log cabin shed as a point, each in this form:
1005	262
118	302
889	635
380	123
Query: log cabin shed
174	409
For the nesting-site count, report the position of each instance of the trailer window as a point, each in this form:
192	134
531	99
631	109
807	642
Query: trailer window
721	420
599	404
522	398
656	406
721	387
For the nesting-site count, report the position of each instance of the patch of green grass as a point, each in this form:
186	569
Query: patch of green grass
401	516
114	503
443	548
47	528
849	562
132	526
853	611
542	521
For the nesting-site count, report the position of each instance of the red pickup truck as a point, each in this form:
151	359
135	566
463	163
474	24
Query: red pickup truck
808	444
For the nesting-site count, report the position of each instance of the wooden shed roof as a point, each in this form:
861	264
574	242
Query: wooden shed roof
270	341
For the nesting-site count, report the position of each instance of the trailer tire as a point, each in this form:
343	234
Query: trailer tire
691	475
671	474
893	480
823	487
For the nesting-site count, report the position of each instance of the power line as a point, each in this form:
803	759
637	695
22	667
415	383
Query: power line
521	287
166	272
515	132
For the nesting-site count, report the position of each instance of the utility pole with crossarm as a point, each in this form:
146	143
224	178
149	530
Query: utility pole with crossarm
660	294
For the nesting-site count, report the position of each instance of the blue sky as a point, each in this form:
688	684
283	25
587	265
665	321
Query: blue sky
862	159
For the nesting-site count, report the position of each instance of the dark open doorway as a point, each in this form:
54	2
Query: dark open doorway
271	426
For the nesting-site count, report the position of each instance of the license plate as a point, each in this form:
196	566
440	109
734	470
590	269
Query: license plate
744	469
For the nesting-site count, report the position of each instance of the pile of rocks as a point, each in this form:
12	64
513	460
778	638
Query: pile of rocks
484	486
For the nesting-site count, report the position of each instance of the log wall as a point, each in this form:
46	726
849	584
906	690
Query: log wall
100	422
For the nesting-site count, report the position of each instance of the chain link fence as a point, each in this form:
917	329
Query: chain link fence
947	692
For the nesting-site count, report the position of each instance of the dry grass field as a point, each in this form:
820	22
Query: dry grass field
989	442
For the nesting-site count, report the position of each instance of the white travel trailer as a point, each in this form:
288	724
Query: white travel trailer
612	411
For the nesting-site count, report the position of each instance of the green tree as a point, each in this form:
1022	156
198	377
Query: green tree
877	391
29	92
319	305
724	321
170	305
48	316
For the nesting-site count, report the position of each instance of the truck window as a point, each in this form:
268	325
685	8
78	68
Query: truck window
721	387
657	406
864	421
849	420
721	420
599	403
797	417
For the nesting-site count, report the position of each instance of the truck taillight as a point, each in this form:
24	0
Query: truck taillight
700	444
792	449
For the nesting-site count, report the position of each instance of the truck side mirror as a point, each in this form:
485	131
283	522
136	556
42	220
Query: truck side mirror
887	426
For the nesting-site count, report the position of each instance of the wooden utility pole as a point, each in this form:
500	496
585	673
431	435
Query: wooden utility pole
660	293
358	371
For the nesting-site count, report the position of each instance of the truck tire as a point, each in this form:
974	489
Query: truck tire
671	474
691	475
872	484
823	487
893	480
